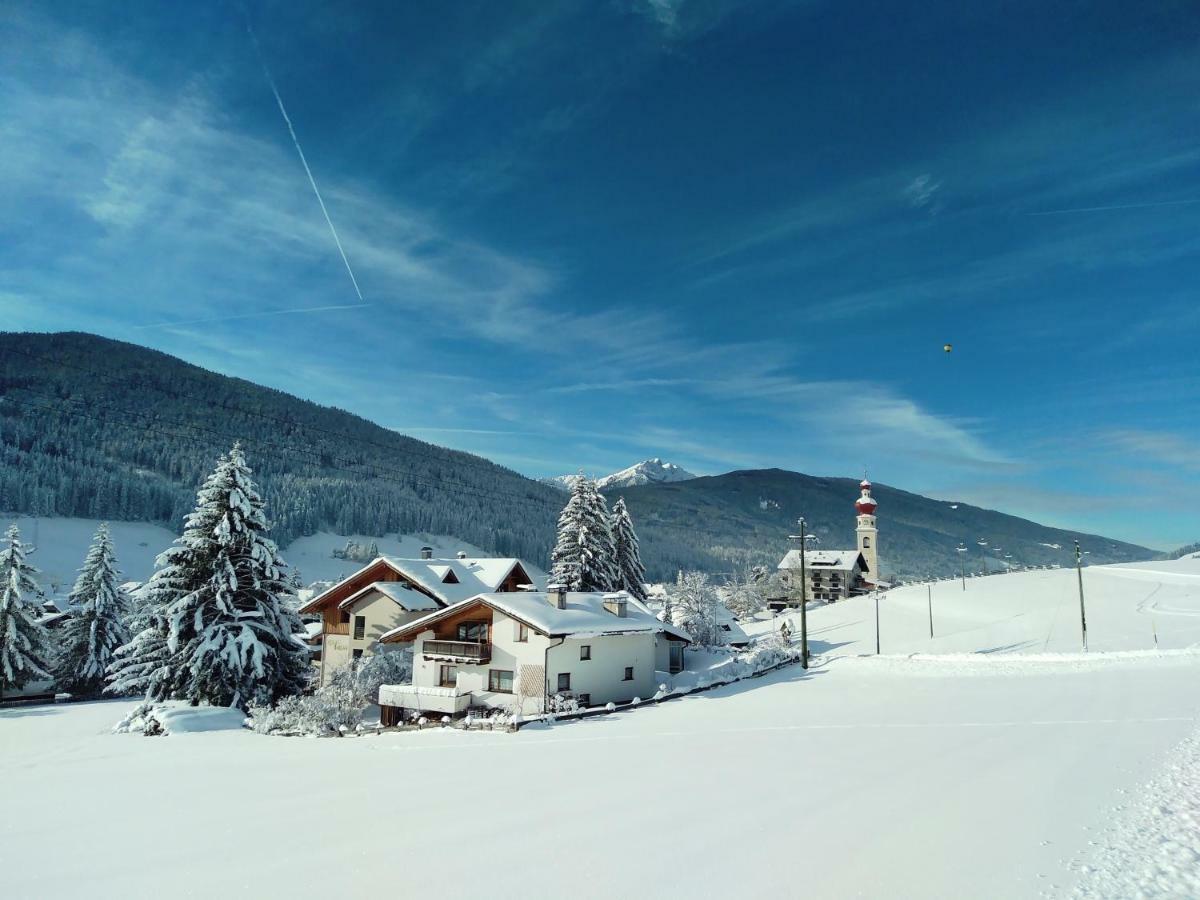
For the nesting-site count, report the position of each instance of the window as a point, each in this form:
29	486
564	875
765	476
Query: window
358	654
866	543
725	627
585	700
585	651
473	631
360	627
564	681
500	681
522	633
447	676
345	617
629	673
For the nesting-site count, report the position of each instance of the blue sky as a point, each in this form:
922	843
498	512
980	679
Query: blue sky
586	233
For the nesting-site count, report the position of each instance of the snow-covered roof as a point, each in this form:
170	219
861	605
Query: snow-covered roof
584	615
734	634
399	592
447	580
839	560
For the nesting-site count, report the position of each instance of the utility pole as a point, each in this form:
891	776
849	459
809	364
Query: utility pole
962	563
983	549
876	593
929	592
1082	612
803	537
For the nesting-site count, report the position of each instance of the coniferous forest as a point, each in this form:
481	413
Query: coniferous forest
101	429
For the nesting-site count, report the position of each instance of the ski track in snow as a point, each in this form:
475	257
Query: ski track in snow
1153	848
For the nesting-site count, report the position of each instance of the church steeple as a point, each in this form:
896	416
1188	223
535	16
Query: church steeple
868	535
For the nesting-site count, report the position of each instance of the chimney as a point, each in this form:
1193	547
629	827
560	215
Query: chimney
557	595
462	554
426	553
617	604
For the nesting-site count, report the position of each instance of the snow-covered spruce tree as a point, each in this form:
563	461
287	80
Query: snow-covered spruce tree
631	574
97	626
220	628
583	557
24	648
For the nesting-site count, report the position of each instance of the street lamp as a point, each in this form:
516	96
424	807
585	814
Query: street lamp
962	562
983	549
803	538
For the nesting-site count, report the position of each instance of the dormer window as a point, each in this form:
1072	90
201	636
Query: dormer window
450	577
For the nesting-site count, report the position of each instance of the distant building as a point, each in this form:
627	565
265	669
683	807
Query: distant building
868	534
836	574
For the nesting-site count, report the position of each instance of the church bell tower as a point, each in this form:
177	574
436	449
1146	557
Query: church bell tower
868	535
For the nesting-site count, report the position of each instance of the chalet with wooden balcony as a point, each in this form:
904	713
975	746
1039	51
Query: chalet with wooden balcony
516	650
389	591
831	574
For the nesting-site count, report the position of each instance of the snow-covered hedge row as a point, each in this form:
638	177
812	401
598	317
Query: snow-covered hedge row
333	709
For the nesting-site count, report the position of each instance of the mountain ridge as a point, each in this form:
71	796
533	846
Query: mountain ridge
648	471
98	428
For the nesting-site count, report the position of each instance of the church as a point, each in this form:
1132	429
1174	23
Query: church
837	574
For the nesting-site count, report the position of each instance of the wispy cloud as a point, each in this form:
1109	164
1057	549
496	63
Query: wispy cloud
1159	446
255	315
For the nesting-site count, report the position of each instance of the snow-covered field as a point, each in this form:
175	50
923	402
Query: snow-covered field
890	777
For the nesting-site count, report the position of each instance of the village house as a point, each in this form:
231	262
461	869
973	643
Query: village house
388	592
518	650
831	574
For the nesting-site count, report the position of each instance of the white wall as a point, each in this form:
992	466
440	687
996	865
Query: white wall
603	675
382	615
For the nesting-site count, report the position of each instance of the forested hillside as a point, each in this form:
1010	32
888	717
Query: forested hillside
746	517
97	428
101	429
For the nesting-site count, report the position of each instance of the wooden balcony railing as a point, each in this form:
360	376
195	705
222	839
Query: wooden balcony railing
472	650
340	628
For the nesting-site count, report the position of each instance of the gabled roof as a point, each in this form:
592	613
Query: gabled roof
584	615
824	560
399	592
446	580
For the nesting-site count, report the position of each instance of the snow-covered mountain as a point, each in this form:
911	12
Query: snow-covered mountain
650	471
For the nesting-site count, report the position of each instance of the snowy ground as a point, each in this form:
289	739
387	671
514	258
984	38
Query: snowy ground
1022	612
896	777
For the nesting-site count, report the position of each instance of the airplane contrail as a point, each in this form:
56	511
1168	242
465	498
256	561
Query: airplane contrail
299	150
255	315
1087	209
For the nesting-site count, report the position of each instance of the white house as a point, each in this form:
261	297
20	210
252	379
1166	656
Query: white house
388	592
832	575
506	650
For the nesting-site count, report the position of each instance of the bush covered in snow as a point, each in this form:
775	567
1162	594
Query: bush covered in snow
333	709
378	669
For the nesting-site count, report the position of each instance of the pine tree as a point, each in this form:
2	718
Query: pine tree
97	626
631	574
584	557
24	647
219	625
